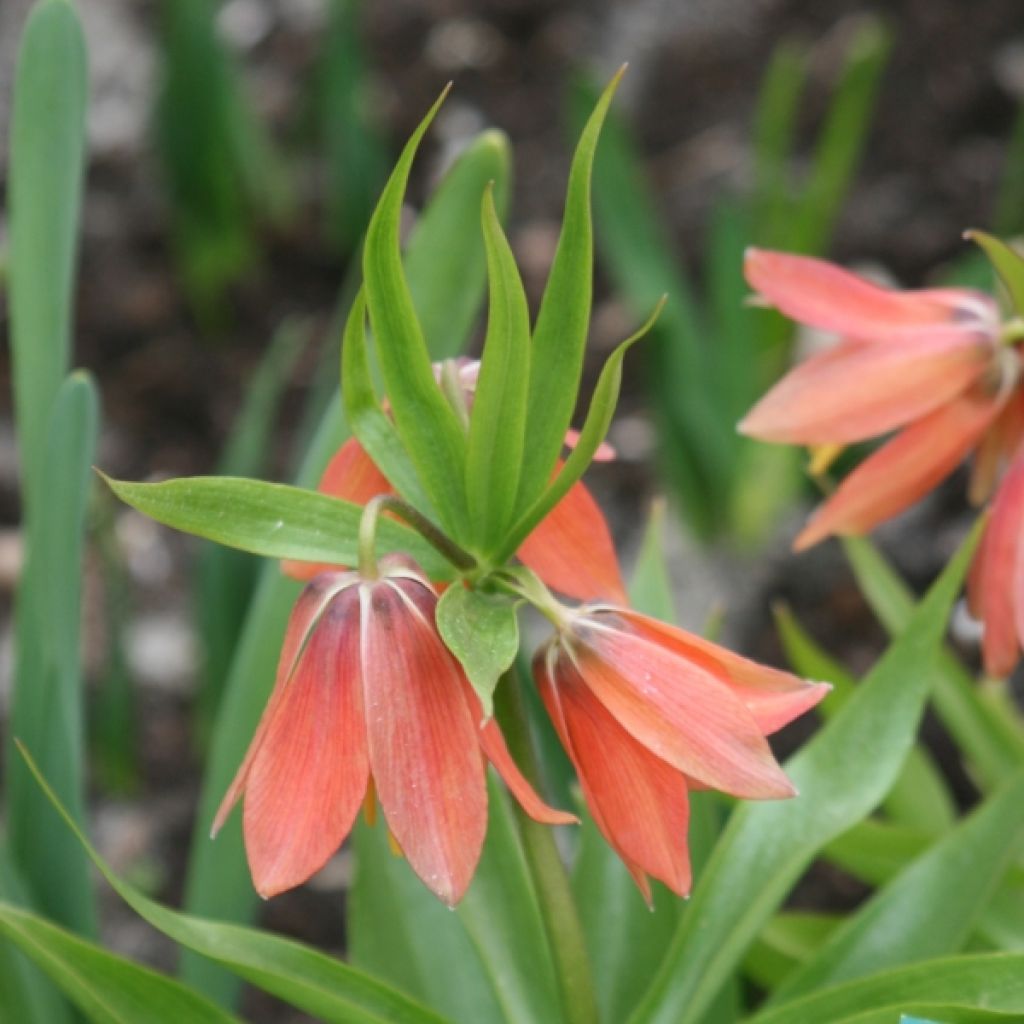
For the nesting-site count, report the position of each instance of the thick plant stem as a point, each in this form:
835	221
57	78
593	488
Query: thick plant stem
557	906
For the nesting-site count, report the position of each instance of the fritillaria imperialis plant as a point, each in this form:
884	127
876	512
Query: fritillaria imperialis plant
385	689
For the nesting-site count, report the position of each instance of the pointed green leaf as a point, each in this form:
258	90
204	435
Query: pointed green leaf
841	775
428	426
498	418
289	970
1008	264
44	197
366	418
929	909
920	797
875	851
992	739
482	631
560	334
947	990
448	292
595	428
108	989
273	520
786	941
47	706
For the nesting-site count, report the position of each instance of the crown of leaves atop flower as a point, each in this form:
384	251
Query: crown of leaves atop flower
470	483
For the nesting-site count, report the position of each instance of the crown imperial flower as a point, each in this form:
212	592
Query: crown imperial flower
934	366
368	698
647	712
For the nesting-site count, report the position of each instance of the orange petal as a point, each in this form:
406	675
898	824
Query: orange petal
995	582
309	777
424	745
308	609
676	708
571	550
638	802
997	447
772	696
825	296
903	470
352	476
493	743
857	390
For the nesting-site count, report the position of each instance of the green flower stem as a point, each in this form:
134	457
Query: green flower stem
461	559
557	906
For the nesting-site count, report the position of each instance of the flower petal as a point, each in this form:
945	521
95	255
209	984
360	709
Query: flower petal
424	745
638	802
677	709
997	448
572	551
352	476
772	696
856	390
825	296
994	584
309	776
605	452
903	470
301	623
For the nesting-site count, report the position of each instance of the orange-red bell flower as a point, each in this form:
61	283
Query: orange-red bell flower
571	550
368	698
930	364
647	712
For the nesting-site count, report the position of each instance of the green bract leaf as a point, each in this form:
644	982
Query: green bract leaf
930	909
560	335
841	775
295	973
366	418
939	989
273	520
595	427
1008	264
108	989
448	292
482	631
497	422
428	426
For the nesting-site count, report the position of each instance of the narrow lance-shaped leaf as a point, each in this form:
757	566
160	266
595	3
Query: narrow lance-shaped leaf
992	740
366	418
498	418
841	775
560	334
429	427
595	427
949	989
930	909
108	989
448	294
44	197
47	705
482	631
304	977
273	520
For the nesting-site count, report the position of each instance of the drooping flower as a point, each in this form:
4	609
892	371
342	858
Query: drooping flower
571	549
369	700
647	712
931	365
